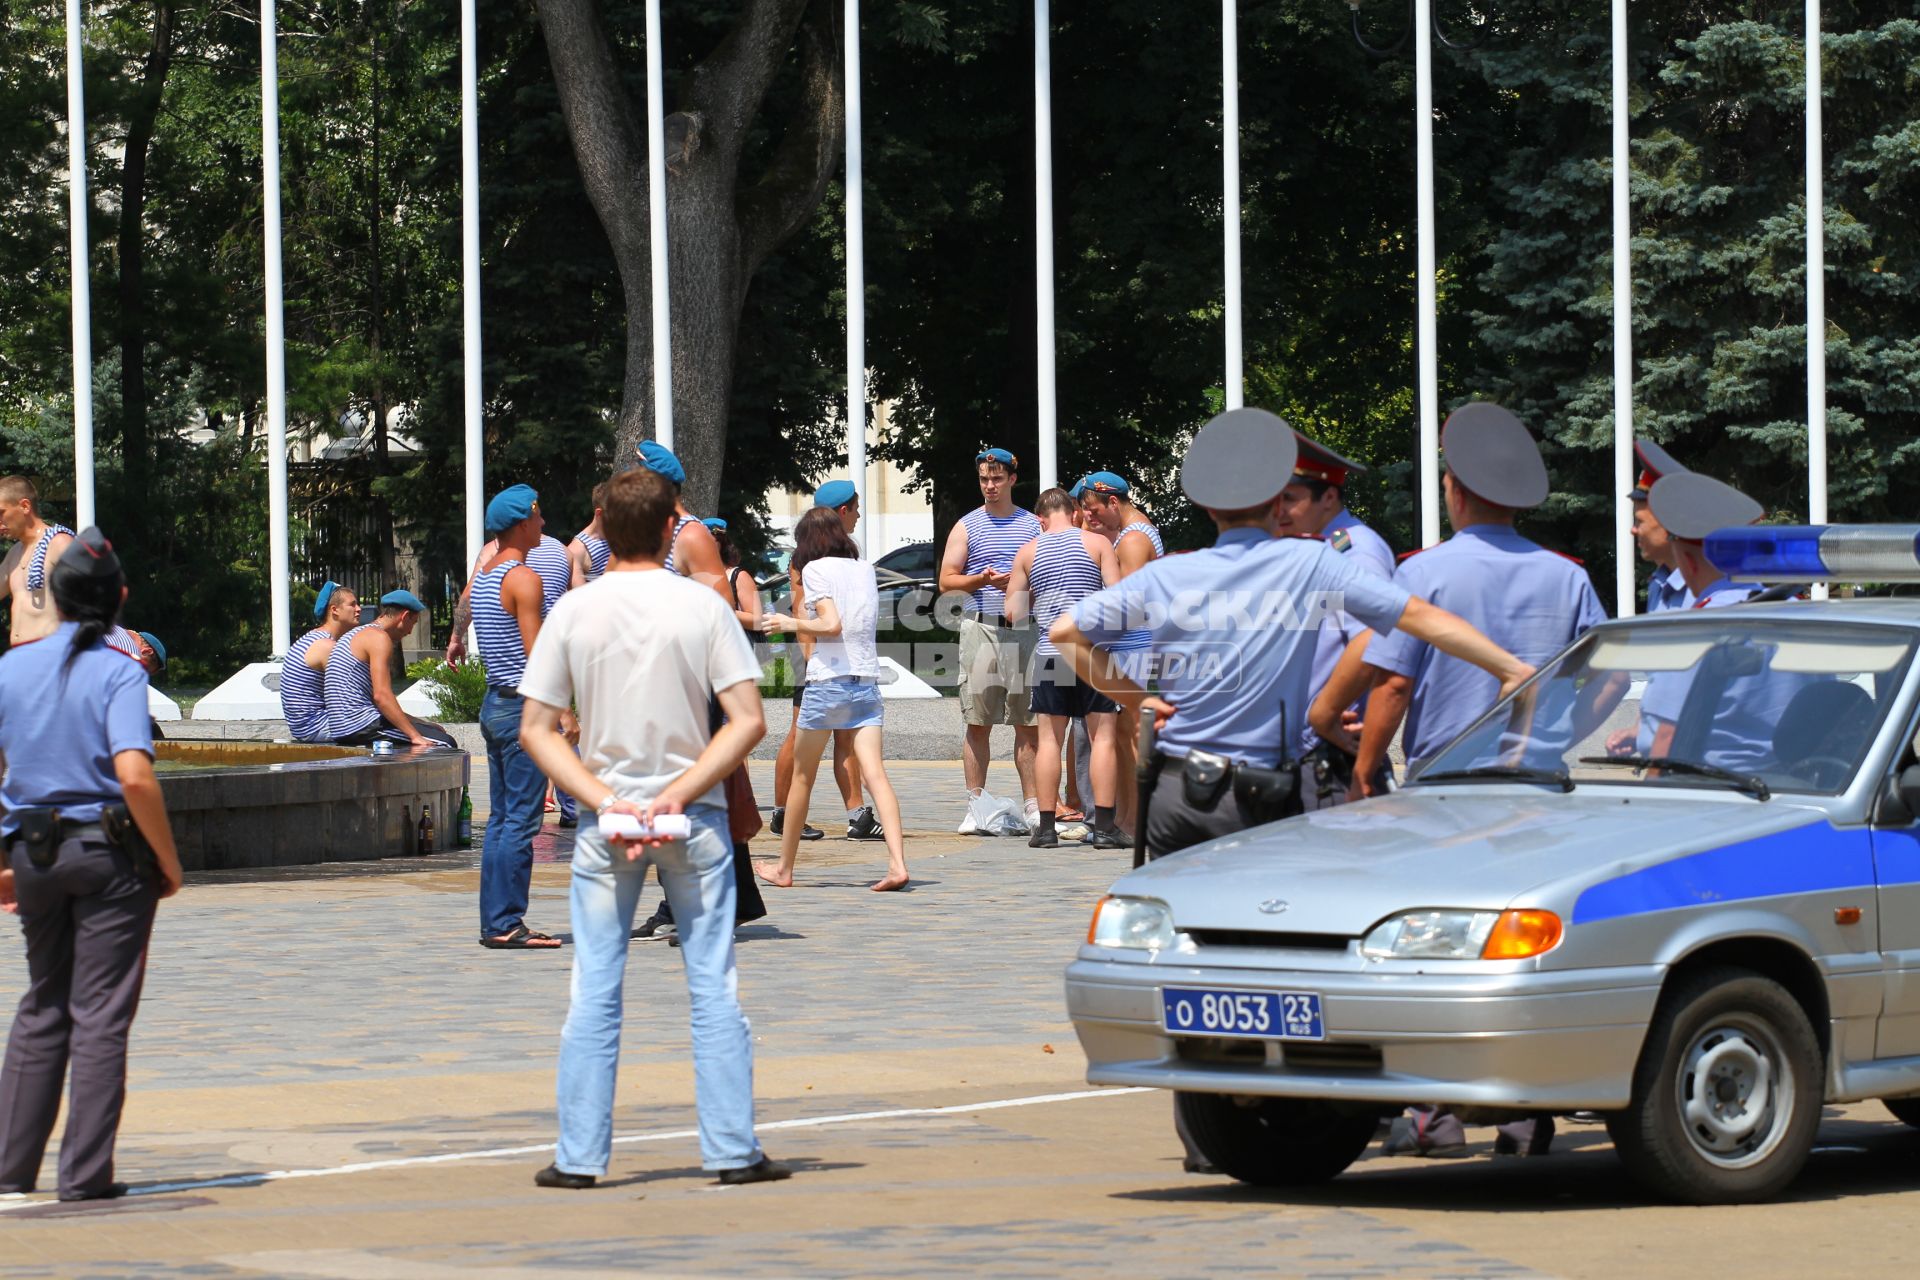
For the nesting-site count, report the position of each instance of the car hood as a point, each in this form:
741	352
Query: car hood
1342	870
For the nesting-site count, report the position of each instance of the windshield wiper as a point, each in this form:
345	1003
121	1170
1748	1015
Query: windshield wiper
1502	773
1747	782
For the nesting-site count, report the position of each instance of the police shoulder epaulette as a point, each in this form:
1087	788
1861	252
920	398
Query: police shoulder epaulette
1304	537
1340	540
1564	556
1405	556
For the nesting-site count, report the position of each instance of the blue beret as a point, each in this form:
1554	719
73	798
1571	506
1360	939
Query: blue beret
404	599
327	589
835	493
1107	482
655	456
153	642
510	506
1079	487
1000	456
715	522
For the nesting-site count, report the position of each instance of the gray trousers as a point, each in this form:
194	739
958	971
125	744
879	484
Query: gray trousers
1173	824
87	919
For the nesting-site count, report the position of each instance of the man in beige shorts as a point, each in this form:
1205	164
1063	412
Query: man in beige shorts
994	655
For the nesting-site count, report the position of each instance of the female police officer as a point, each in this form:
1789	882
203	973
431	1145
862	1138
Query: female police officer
74	730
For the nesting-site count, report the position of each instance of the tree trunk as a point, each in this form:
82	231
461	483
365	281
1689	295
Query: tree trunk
720	228
135	445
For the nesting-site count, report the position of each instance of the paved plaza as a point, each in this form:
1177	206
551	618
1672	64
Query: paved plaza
338	1029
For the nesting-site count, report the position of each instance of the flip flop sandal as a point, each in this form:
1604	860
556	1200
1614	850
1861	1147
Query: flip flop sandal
522	939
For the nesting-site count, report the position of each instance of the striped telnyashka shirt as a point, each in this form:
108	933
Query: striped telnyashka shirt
303	691
992	542
1063	575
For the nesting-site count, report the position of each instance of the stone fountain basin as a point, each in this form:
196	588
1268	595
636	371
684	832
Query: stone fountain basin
236	805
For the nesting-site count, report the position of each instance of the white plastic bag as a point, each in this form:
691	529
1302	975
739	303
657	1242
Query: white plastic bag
993	816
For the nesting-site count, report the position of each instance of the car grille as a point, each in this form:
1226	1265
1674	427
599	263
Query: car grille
1332	1057
1225	1051
1269	939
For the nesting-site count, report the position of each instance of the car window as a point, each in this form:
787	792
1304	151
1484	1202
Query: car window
917	560
1794	703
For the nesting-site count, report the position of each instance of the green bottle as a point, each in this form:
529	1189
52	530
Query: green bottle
464	828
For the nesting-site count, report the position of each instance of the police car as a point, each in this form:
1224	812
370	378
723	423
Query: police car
1674	879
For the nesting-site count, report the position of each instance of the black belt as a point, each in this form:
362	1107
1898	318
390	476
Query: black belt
42	831
999	620
1267	793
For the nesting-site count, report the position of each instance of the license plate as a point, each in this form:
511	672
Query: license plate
1254	1015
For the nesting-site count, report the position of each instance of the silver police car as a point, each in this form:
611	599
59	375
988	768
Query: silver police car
1674	879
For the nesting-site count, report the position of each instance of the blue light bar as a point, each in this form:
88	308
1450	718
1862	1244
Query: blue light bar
1817	553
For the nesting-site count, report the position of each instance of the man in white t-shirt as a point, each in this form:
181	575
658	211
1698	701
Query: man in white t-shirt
640	651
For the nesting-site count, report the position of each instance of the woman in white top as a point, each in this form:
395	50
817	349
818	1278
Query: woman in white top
843	685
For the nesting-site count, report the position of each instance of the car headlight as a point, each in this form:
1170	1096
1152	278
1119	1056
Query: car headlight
1139	924
1463	935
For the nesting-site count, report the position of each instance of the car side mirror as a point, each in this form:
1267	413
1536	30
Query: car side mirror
1904	793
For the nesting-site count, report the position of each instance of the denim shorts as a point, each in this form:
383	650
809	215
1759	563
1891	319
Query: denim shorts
847	702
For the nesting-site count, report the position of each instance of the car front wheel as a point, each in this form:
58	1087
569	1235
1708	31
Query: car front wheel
1726	1099
1274	1142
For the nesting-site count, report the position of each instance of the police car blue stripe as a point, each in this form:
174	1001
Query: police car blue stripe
303	691
1804	860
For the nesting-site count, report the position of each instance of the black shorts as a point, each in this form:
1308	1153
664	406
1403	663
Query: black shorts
1056	691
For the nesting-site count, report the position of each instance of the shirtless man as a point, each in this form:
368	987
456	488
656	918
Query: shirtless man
36	546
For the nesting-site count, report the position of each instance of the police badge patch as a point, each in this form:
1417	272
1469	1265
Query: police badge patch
1339	540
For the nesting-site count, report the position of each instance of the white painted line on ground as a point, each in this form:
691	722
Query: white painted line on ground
665	1135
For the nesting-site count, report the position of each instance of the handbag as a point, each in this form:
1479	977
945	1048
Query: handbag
743	811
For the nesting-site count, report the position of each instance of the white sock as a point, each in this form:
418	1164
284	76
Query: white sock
854	813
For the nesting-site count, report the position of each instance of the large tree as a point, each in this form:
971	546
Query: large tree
731	200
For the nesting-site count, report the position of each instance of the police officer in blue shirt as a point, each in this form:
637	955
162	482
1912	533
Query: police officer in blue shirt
1234	631
1527	599
89	852
1314	504
1666	589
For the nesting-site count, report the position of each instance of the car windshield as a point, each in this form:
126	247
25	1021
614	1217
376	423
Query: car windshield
1757	704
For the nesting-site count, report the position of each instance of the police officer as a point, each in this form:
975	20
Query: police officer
1234	631
1666	589
83	876
1527	599
1314	504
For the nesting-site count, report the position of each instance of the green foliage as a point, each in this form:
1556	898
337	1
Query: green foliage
457	692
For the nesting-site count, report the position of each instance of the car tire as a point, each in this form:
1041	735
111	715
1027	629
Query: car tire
1727	1094
1275	1142
1905	1110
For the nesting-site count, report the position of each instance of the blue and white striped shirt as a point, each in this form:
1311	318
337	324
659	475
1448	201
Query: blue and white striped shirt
673	540
1140	639
598	554
348	688
303	691
555	567
497	630
992	542
37	562
1063	574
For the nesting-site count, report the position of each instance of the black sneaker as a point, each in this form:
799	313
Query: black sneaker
1111	838
865	826
568	824
808	832
761	1170
656	926
555	1176
1043	840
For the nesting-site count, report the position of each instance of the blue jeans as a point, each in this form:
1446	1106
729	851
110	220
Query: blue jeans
516	799
697	874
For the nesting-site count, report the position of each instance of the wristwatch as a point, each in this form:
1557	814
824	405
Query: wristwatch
600	809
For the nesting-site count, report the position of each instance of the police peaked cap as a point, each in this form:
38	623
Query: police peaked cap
1691	505
1244	457
1491	454
1317	462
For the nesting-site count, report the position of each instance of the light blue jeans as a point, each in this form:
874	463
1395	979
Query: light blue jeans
697	874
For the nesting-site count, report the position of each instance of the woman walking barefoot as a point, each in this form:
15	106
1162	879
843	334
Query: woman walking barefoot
843	685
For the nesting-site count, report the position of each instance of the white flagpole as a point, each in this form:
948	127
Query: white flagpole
1623	567
82	297
1427	387
277	568
1230	153
657	220
856	274
1816	281
470	278
1043	242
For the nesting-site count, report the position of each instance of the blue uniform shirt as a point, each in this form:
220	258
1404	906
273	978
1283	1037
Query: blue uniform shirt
60	737
1526	599
1666	589
1234	629
1370	554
